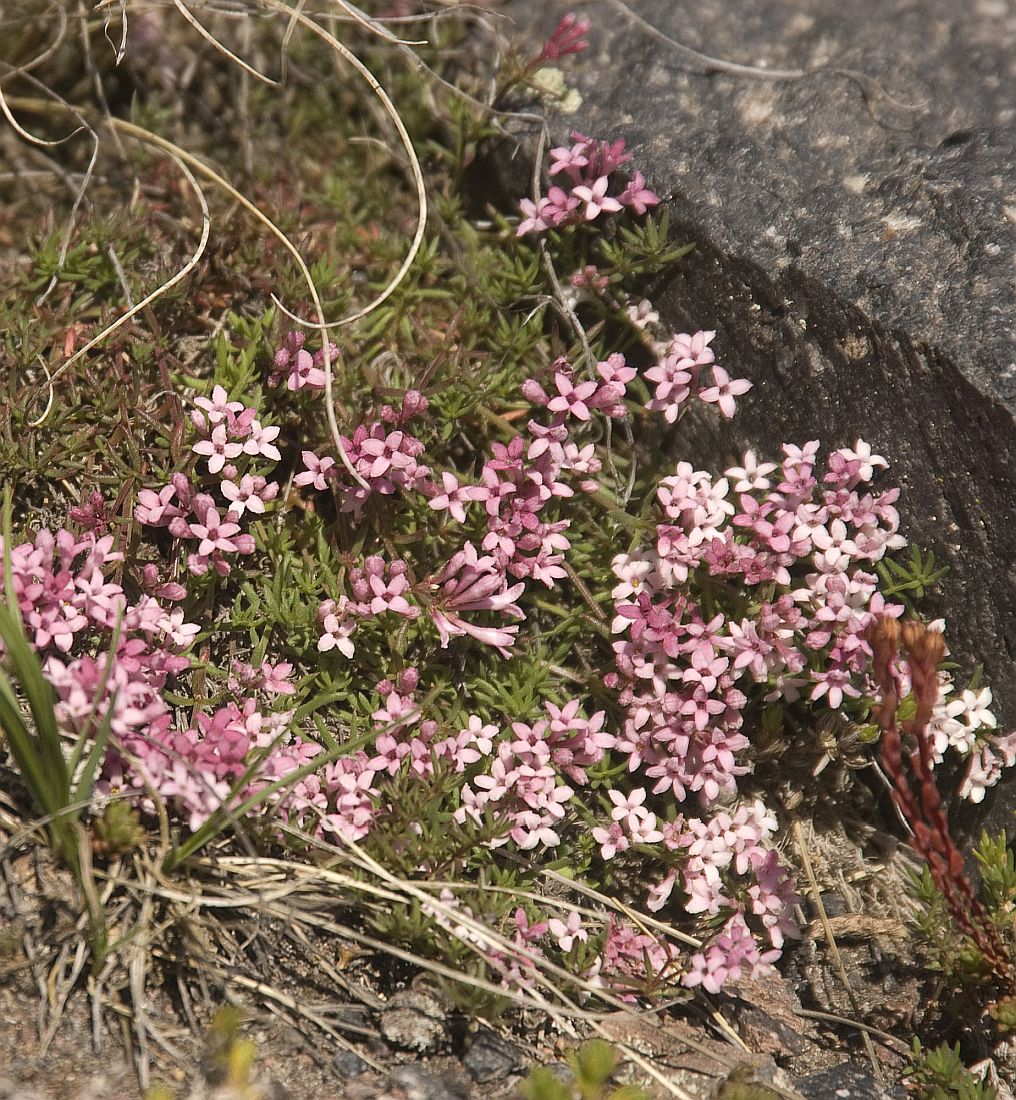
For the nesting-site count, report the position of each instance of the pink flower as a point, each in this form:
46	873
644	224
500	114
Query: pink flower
317	471
154	509
252	493
568	934
638	196
725	390
303	373
386	587
455	497
611	841
571	159
565	39
596	199
533	222
259	442
219	409
558	207
337	626
217	448
179	632
571	398
275	678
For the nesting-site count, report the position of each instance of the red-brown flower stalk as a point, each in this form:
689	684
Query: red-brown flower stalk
919	800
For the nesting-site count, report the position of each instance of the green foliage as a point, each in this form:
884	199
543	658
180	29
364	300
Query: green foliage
117	830
940	1074
971	988
998	874
592	1066
472	319
912	579
643	249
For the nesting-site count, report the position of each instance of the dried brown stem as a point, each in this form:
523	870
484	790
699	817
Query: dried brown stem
916	795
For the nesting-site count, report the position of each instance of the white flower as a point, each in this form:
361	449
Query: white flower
862	453
752	475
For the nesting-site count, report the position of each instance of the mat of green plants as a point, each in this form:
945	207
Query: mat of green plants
391	702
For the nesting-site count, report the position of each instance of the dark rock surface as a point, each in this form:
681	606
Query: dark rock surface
855	256
490	1057
847	1081
417	1084
348	1064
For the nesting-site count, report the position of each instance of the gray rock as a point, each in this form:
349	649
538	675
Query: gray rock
855	256
348	1064
414	1020
847	1081
418	1084
490	1057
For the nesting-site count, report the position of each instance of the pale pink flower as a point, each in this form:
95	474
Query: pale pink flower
724	391
596	199
217	448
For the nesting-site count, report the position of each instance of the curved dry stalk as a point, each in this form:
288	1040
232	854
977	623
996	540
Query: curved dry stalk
119	51
206	224
34	139
27	135
414	161
47	53
207	35
375	27
188	159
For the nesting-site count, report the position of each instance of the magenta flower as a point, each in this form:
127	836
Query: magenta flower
565	39
638	196
571	398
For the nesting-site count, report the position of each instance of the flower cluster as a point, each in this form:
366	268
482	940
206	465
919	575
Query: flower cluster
232	440
587	166
566	38
964	722
300	369
522	780
385	459
798	545
676	376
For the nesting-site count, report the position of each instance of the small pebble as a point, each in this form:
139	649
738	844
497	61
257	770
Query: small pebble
490	1057
420	1085
348	1064
414	1020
